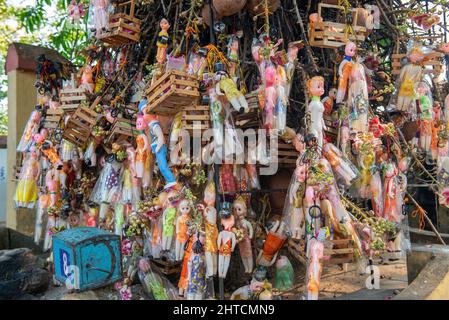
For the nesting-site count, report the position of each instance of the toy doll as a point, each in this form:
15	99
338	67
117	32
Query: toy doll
316	89
425	111
226	86
43	204
168	218
270	96
344	70
197	273
47	148
31	128
100	16
182	223
216	114
391	210
87	82
358	98
251	290
314	268
339	165
142	147
160	150
292	54
226	242
284	274
52	183
275	240
92	215
282	99
184	276
162	42
211	230
246	253
294	208
328	101
410	74
233	55
75	10
255	52
26	192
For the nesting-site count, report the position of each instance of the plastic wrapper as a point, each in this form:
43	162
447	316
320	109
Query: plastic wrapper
109	182
27	192
196	64
32	127
156	285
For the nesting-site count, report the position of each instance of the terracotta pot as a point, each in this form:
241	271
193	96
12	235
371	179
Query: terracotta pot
228	7
252	4
206	17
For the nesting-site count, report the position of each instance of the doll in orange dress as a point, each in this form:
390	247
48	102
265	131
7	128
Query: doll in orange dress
344	70
226	243
182	222
314	268
142	147
183	279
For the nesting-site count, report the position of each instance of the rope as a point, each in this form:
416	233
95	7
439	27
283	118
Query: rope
419	211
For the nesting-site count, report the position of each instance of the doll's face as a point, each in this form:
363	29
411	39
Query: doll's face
140	123
416	56
164	24
36	116
300	173
445	47
235	44
184	207
298	143
239	210
38	138
421	90
317	87
350	49
333	93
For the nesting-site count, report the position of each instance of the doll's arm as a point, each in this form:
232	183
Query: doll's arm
250	229
160	137
220	235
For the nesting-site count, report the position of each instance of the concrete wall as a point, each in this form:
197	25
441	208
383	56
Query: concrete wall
3	184
22	98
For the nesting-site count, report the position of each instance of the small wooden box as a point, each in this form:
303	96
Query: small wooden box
342	252
329	34
87	258
287	155
71	99
124	28
167	267
433	59
53	118
196	118
121	130
253	118
171	93
79	126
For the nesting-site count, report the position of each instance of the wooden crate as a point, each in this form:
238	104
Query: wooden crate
79	126
329	34
52	118
253	118
196	117
341	252
124	28
167	267
171	93
122	129
433	59
287	155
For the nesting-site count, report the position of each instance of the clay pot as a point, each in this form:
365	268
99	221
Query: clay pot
252	4
206	17
227	8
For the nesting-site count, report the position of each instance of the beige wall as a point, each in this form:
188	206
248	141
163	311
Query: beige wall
22	98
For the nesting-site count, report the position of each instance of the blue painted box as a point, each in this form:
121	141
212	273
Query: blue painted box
86	258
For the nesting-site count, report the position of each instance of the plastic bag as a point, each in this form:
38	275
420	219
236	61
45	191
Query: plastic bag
156	285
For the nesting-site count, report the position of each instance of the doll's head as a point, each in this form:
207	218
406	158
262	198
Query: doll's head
35	116
184	207
164	24
141	124
301	172
422	88
239	208
313	18
293	48
315	85
445	48
40	136
416	55
350	49
209	194
333	93
270	75
298	142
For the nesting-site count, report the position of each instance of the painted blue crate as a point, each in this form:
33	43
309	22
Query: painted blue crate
86	258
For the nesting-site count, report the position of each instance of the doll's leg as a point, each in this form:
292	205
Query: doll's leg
169	242
199	296
161	157
248	262
38	225
177	250
226	261
236	104
221	266
243	102
181	250
103	210
209	265
215	263
164	243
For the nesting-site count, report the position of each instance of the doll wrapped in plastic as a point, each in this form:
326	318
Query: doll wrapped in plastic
270	96
156	285
196	63
358	98
240	211
342	167
315	87
42	206
443	179
26	192
226	86
344	70
99	16
232	140
181	228
31	128
424	105
276	237
196	286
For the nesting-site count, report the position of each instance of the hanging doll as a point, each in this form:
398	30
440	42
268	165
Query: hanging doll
168	218
216	113
314	268
294	209
31	128
182	225
358	99
226	243
100	16
197	272
425	112
159	149
410	74
26	191
316	89
233	54
52	183
246	253
226	86
87	81
270	96
340	166
211	248
43	204
108	184
275	240
391	210
162	42
344	70
282	99
142	147
75	10
292	55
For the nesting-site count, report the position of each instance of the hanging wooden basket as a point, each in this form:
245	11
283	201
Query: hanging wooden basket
196	118
330	34
432	63
122	130
124	27
72	97
53	118
172	92
341	252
